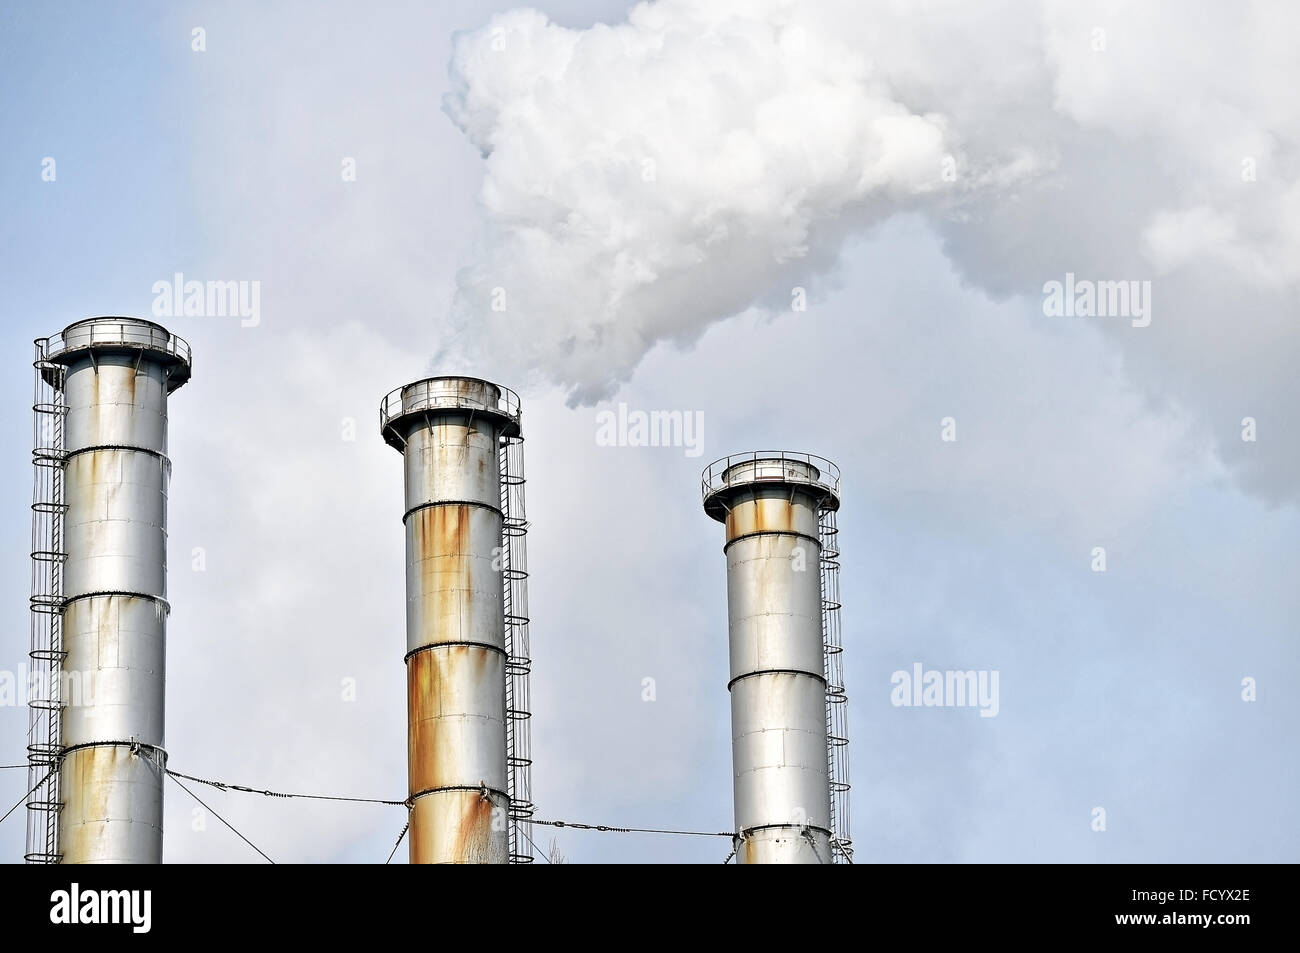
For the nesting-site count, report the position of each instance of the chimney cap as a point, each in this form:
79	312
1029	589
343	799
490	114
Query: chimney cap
448	394
738	472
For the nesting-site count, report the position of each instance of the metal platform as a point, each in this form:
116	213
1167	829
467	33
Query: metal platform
739	470
444	394
118	335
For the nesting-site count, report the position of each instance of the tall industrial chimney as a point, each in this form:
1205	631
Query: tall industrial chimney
466	619
100	596
789	754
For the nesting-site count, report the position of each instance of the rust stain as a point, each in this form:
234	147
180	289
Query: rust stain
449	826
87	777
443	686
433	677
425	686
474	832
96	404
447	579
442	531
455	827
109	614
761	515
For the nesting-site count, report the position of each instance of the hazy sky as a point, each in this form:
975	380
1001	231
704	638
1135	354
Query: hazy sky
921	173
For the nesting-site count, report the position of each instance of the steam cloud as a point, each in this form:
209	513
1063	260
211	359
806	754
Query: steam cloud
648	178
645	179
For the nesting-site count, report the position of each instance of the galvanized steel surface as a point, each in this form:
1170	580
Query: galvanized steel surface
457	460
772	608
784	845
115	527
115	670
778	738
456	706
117	406
460	827
112	810
453	576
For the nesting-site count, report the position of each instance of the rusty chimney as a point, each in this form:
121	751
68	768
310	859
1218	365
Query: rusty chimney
466	669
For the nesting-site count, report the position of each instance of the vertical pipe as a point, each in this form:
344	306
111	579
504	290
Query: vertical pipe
449	431
118	375
769	504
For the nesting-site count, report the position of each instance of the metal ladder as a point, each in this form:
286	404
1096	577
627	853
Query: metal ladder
514	569
45	708
837	718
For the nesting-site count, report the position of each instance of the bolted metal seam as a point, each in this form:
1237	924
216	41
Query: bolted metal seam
432	503
68	455
777	671
438	645
153	748
477	788
771	532
105	593
792	827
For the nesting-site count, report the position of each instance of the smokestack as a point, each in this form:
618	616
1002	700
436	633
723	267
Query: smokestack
787	695
100	600
466	619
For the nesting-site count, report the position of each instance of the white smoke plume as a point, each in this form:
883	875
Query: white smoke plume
648	178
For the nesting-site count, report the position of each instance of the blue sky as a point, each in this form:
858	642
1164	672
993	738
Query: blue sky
1119	690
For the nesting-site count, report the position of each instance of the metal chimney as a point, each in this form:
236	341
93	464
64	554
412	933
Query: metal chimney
789	754
99	596
466	619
